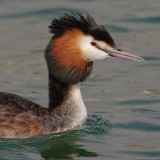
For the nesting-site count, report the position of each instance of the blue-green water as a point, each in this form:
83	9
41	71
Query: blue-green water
122	97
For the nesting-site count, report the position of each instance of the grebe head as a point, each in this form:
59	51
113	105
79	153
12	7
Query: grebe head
77	42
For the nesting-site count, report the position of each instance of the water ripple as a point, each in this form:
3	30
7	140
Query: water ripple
139	102
115	28
154	19
144	153
96	125
137	125
50	11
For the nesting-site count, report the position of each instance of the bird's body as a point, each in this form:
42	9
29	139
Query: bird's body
77	42
22	118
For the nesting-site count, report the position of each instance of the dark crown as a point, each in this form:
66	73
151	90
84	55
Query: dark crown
83	22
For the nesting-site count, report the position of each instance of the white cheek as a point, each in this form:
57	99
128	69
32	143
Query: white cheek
91	53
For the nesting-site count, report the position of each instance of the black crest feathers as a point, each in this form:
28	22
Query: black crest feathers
85	23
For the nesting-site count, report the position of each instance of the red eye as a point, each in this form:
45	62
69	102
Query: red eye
93	43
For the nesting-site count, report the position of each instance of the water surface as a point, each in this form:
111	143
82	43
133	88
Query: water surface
122	97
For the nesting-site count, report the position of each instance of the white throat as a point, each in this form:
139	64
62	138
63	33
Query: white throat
73	111
77	102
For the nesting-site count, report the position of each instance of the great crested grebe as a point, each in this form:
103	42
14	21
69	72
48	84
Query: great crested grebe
76	43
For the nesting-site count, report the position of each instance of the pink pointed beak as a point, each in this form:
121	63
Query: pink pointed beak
122	54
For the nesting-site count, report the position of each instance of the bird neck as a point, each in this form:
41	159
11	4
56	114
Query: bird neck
58	92
65	100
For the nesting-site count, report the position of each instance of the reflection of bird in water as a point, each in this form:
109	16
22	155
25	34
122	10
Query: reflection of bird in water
77	42
71	143
65	147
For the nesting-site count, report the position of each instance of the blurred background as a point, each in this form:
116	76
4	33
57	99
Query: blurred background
122	97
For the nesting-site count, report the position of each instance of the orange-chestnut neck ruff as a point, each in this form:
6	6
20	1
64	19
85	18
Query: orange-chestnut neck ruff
64	58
